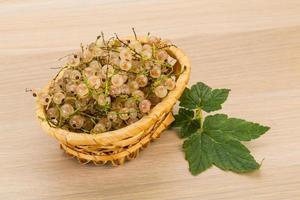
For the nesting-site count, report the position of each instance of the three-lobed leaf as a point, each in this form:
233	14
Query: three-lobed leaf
186	122
219	144
202	96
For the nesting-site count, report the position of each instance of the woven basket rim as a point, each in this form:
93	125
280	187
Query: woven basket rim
161	108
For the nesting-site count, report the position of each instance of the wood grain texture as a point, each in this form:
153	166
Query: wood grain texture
252	47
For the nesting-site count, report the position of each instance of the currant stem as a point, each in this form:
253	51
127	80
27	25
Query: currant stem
199	116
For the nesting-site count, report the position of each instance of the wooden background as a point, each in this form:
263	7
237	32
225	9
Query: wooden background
252	47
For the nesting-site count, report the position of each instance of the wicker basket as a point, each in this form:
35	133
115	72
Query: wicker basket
123	144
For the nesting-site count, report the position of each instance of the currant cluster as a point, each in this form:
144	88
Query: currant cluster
109	84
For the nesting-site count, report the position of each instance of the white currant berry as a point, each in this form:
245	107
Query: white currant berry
132	113
82	90
161	91
170	84
145	106
58	97
147	54
71	88
138	94
53	113
125	65
136	45
94	81
44	98
112	115
66	110
107	71
125	89
86	55
124	113
130	103
75	75
98	128
142	80
74	60
125	54
103	100
117	80
155	72
107	123
115	91
76	121
162	55
133	85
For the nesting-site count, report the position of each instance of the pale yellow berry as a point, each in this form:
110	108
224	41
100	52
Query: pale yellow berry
82	90
103	100
71	88
125	65
53	113
58	97
138	94
74	60
125	54
117	80
124	113
94	81
66	110
44	98
76	121
99	128
170	84
145	106
107	71
161	91
75	75
155	72
136	45
142	80
162	55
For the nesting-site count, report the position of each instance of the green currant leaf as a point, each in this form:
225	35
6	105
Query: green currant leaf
230	154
233	128
186	122
202	150
197	153
202	96
219	144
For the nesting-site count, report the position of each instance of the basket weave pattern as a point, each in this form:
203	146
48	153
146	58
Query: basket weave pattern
123	144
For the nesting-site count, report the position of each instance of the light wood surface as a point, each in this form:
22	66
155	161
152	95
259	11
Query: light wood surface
252	47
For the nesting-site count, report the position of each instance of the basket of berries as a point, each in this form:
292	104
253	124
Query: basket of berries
113	97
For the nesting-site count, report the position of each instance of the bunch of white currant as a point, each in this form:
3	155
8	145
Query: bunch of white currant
109	84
